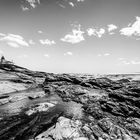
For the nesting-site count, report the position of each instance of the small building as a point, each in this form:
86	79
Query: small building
2	60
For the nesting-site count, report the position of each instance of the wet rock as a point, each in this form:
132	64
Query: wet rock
63	129
4	101
39	108
47	106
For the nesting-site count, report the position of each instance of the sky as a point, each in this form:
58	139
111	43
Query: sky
72	36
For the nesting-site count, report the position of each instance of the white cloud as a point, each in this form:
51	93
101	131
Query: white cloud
68	53
14	40
47	42
135	62
112	27
61	5
98	33
99	55
47	55
132	29
91	31
75	37
13	44
111	33
105	54
24	8
80	0
1	34
33	3
121	58
31	42
126	61
72	4
40	32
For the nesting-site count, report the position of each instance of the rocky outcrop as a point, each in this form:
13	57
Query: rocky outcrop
47	106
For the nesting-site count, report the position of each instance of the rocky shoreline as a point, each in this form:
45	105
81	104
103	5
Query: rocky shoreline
47	106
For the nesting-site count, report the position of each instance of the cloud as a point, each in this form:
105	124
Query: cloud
132	29
24	8
1	34
40	32
30	4
91	31
80	0
47	42
99	55
72	4
111	27
105	54
98	33
13	44
31	42
75	37
126	61
47	55
135	62
14	40
68	53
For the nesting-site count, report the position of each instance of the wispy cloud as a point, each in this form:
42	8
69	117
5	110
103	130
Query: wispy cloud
68	53
135	62
80	0
24	8
13	44
91	31
75	37
47	42
72	4
126	61
47	55
111	27
133	29
29	4
96	32
105	54
31	42
40	32
100	32
14	40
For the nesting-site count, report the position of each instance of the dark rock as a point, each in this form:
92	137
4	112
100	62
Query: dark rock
67	106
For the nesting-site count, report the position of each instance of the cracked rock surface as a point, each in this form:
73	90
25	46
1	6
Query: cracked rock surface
47	106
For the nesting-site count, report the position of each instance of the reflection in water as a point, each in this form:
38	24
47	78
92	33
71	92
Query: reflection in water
68	108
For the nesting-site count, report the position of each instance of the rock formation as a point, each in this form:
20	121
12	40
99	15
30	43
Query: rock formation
47	106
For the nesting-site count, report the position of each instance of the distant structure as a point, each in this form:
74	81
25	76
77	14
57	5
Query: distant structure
4	61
